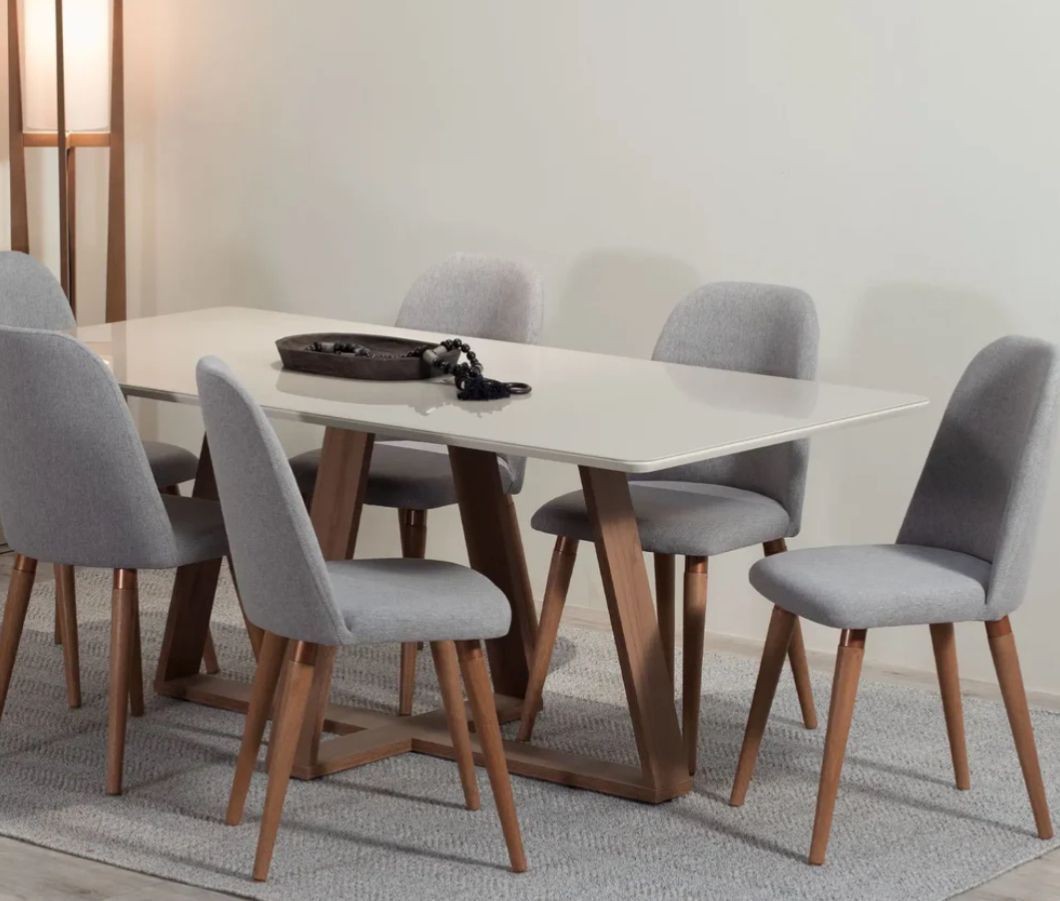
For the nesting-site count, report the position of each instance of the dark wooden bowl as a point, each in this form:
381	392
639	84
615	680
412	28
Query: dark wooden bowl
389	362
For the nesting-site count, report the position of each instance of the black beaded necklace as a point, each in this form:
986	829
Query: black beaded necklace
470	383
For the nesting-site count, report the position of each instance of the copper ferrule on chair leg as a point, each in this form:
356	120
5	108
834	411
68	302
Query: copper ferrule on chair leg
25	564
124	579
852	638
304	652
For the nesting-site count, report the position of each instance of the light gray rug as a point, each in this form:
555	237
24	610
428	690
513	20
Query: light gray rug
396	829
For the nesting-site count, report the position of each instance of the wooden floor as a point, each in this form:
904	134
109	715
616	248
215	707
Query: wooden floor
29	873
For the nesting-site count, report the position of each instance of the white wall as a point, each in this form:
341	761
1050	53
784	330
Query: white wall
898	161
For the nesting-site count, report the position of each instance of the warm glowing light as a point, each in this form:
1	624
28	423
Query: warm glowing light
86	54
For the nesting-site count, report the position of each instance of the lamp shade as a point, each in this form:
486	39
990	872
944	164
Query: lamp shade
86	56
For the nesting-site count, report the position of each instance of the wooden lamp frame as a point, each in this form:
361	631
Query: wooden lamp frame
67	144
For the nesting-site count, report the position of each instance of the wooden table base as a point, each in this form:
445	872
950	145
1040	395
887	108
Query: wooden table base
362	736
495	549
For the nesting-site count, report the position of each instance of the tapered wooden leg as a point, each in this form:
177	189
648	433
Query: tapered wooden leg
270	661
1009	677
136	665
695	621
840	714
664	607
122	619
413	531
800	667
57	637
66	595
448	670
945	647
19	589
559	574
477	680
209	656
286	736
778	637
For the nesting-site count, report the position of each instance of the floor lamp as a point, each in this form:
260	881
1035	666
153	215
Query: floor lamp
69	103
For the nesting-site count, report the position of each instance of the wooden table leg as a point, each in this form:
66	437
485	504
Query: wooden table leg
188	623
495	549
633	621
336	514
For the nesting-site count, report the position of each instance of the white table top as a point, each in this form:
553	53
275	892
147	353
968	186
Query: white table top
589	409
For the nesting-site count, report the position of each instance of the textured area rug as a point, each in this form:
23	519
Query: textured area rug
397	829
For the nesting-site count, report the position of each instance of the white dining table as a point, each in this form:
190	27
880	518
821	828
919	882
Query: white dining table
609	416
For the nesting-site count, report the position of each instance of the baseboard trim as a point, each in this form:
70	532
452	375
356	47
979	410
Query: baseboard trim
596	618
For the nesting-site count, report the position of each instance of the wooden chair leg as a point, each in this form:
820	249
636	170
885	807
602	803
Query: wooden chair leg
664	607
66	594
285	736
1009	677
694	626
209	656
840	715
122	618
483	706
945	647
270	662
778	637
448	669
18	591
136	664
564	554
413	530
800	667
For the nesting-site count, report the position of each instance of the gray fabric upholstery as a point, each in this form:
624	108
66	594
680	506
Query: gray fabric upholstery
984	479
31	297
422	600
747	327
170	464
964	548
404	474
678	518
464	296
284	583
75	486
867	586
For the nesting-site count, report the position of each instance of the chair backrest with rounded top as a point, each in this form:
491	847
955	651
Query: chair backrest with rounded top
746	327
981	488
283	581
75	484
473	296
30	296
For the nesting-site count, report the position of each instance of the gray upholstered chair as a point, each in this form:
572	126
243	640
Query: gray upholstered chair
76	489
962	555
303	602
702	509
31	297
466	296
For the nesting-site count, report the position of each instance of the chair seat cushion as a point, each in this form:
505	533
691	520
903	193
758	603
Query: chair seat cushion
408	475
198	532
868	586
690	518
170	464
417	600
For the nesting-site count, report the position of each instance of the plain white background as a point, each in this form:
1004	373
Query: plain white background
896	160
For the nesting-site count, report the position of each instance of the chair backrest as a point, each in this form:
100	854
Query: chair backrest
30	296
472	296
75	485
747	327
283	581
981	489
